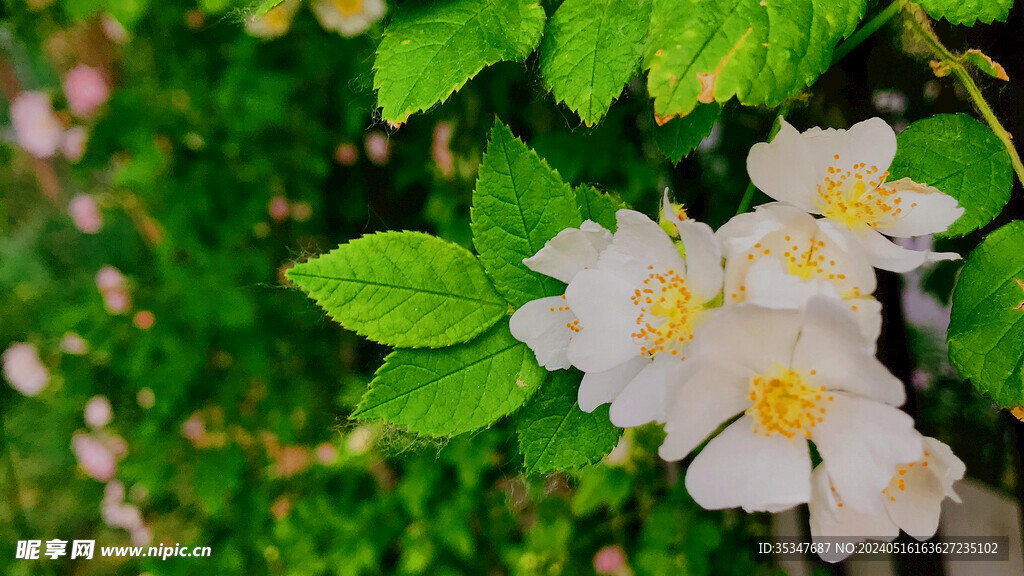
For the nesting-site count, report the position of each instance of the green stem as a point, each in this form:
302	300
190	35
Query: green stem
956	66
748	195
862	33
14	496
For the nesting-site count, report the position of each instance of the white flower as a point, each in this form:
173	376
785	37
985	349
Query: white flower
348	17
637	310
98	412
547	325
793	376
274	23
37	128
912	501
24	370
779	256
841	175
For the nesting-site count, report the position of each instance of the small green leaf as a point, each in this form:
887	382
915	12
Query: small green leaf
967	13
519	204
961	157
554	434
590	51
404	289
760	52
680	136
986	328
267	6
455	390
986	64
597	206
431	49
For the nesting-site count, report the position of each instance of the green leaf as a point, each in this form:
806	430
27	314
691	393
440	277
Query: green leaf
455	390
590	51
760	52
680	136
404	289
961	157
267	6
986	328
519	204
986	64
597	206
967	13
431	49
554	434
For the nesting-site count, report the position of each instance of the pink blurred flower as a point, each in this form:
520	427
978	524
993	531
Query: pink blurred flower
98	412
86	89
440	151
97	457
117	302
24	370
119	514
144	320
72	343
281	507
72	143
378	148
610	560
278	208
38	129
113	29
326	453
193	429
110	279
85	213
291	460
346	154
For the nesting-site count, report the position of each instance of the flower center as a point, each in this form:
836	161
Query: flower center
785	404
856	197
668	310
277	20
348	7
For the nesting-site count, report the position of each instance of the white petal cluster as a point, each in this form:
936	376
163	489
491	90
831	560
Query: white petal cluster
761	336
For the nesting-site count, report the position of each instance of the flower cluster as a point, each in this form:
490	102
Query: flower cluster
762	336
346	17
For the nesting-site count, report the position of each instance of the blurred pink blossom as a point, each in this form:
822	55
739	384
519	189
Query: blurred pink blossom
98	412
72	143
291	460
85	213
301	211
114	288
24	370
440	151
113	29
96	455
119	514
72	343
346	154
378	148
144	320
86	89
117	302
278	208
326	453
610	560
193	429
38	129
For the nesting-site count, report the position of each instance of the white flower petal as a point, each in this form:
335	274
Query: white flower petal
868	312
925	210
740	468
830	522
872	142
703	258
884	254
752	337
542	325
863	441
572	250
601	302
602	387
916	509
785	169
643	400
832	346
700	404
639	242
945	465
769	285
